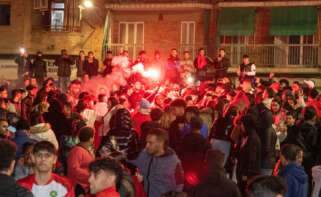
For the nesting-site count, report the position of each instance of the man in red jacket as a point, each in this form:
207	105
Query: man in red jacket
79	159
43	182
142	115
105	173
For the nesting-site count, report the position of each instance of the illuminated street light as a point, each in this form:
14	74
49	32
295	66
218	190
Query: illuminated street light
88	4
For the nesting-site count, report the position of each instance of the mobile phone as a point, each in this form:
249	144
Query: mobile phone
12	129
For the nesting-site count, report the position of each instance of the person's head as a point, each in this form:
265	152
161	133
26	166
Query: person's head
32	90
174	52
313	94
44	157
268	93
124	102
27	149
7	156
214	158
109	54
201	52
221	52
102	98
90	54
178	106
191	111
16	95
85	78
74	87
295	86
284	84
4	103
156	114
125	53
186	55
156	141
3	92
63	52
104	173
310	113
36	118
246	59
246	86
266	186
275	106
86	135
112	102
39	54
290	153
196	124
290	119
82	53
142	54
3	127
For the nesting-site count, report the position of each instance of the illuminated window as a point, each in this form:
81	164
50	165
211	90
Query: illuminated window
57	16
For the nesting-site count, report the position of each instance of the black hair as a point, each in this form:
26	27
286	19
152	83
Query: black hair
36	118
221	49
107	164
313	93
7	154
285	81
15	92
63	51
113	101
290	152
192	109
101	97
245	56
26	145
270	92
3	88
22	125
141	52
196	123
82	51
215	158
109	52
86	133
90	52
160	134
309	113
266	186
178	103
156	114
291	113
44	146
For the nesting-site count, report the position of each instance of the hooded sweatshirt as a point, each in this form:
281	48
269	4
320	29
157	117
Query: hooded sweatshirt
42	132
296	179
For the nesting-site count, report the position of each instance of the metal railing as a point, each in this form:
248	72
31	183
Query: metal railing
133	49
275	55
57	28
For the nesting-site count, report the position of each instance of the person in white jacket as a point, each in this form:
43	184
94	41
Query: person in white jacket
41	131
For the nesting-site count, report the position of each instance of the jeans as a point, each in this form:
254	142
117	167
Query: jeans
264	171
63	83
223	146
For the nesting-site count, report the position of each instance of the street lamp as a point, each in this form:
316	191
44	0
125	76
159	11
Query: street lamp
88	4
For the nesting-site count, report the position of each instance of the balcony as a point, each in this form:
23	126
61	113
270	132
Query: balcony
269	55
133	49
158	1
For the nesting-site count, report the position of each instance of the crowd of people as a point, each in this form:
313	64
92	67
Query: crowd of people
172	137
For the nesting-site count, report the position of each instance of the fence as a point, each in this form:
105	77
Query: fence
275	55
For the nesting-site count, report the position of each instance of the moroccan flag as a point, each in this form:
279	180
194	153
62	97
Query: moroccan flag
241	102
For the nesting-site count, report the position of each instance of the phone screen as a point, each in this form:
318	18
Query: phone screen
12	129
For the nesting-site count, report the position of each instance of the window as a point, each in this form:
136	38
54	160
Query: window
5	15
301	50
188	33
131	36
57	16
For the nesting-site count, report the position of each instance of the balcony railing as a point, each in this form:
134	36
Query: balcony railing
133	49
308	55
57	28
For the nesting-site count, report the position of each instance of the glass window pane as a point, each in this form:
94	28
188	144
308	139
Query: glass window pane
294	39
184	35
58	5
131	33
57	19
140	33
122	32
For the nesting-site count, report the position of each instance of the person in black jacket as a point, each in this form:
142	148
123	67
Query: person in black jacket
91	65
215	181
249	158
121	136
221	64
39	69
8	186
24	64
64	63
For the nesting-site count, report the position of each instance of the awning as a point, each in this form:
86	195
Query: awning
293	21
236	21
